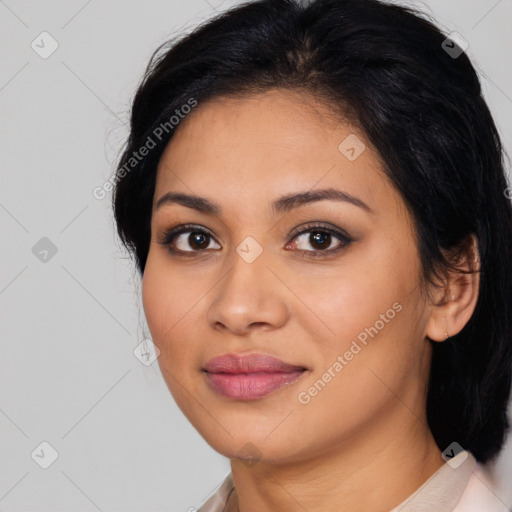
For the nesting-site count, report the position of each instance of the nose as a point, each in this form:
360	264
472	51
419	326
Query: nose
248	297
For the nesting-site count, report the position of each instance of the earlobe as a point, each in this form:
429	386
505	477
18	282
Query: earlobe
456	300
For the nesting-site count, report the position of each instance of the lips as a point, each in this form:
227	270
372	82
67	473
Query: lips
251	363
250	377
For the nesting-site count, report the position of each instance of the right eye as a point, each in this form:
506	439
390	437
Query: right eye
198	239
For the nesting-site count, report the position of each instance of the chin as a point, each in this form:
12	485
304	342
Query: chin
253	448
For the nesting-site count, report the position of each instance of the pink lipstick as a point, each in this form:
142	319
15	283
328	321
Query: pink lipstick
251	376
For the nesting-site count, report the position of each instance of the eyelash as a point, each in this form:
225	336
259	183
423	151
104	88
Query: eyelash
168	236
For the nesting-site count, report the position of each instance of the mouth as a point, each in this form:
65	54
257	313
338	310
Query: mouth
249	377
251	386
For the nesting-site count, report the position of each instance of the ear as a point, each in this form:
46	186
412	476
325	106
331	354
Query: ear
454	301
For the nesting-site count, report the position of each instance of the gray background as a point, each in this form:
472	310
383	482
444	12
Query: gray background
69	325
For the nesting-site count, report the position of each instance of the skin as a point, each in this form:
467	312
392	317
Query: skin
363	440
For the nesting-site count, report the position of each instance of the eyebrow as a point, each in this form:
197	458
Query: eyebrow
282	205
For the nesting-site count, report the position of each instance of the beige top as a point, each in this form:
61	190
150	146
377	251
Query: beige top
460	485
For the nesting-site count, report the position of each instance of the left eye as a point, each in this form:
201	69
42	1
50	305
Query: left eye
321	238
196	238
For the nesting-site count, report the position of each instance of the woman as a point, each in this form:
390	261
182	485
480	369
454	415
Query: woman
315	198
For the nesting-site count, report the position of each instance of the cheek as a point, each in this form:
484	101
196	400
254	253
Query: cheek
166	296
344	303
371	312
172	318
168	303
154	299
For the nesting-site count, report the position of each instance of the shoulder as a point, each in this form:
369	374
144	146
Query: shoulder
480	493
217	500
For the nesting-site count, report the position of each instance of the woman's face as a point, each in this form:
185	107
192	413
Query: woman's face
243	280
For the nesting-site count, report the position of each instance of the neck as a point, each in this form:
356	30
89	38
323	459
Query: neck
375	471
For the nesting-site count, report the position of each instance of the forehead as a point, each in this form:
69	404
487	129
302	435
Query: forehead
246	151
276	122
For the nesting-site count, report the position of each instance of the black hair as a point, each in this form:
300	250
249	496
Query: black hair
390	70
